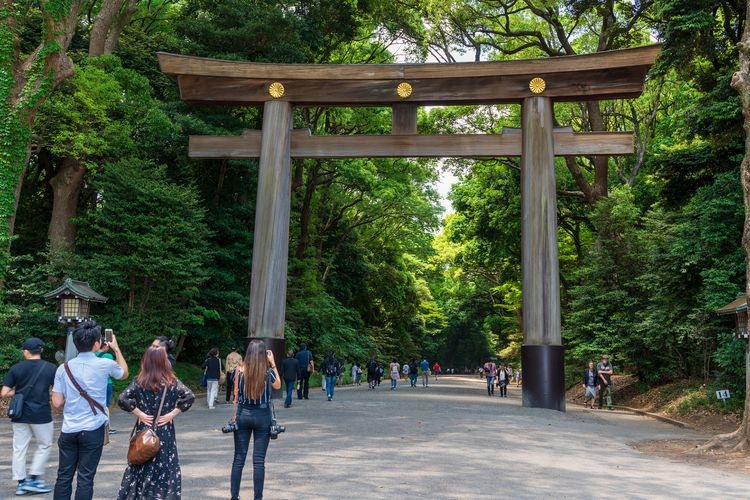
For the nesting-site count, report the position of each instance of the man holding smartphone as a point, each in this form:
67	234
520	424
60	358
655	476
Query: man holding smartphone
80	389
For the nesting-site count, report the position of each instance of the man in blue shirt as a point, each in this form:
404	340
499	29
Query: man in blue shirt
425	366
82	399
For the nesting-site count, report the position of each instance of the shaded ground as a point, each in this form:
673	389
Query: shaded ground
447	441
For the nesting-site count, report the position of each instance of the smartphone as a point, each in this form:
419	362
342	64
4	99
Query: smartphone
108	335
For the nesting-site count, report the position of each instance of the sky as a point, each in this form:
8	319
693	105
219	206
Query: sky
447	179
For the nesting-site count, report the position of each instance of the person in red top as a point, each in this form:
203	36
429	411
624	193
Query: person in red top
436	369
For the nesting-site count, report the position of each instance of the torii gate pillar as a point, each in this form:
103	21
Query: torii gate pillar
542	355
271	233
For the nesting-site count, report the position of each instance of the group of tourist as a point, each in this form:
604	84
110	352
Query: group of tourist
598	381
499	376
81	388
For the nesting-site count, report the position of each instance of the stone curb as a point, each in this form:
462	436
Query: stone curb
655	415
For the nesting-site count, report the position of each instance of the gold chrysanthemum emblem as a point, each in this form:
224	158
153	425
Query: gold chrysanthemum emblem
403	90
537	85
276	90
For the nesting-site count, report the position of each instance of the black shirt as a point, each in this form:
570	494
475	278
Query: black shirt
36	407
303	359
289	368
212	366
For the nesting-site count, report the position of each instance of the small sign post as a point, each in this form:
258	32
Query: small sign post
723	394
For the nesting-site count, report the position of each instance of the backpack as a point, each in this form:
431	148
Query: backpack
331	368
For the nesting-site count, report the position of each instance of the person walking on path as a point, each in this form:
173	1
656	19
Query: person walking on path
589	385
424	365
490	372
518	377
31	379
212	368
80	389
331	369
413	372
256	377
159	478
372	373
503	378
355	370
289	371
436	370
604	371
233	361
395	370
405	370
306	366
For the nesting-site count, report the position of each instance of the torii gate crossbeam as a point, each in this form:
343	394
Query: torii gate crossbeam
535	84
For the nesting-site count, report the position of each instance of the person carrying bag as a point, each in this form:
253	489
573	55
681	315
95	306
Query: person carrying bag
156	397
146	444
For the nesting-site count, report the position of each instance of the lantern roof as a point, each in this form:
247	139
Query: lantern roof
737	305
79	289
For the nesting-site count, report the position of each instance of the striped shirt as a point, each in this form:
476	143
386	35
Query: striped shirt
265	397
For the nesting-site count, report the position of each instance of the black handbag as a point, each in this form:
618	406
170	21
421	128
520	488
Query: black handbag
15	407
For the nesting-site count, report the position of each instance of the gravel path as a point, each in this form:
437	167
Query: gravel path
446	441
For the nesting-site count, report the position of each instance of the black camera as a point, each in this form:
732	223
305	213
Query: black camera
230	427
276	429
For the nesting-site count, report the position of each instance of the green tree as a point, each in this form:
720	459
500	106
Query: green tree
144	247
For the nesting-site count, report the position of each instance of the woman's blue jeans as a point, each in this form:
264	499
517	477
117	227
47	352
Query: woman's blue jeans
252	420
289	390
330	384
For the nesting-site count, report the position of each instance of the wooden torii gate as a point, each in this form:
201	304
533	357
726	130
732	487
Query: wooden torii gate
535	84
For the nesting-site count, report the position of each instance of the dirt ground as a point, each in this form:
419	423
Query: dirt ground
676	449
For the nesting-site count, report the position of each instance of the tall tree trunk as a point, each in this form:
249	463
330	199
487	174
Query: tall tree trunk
741	83
66	186
114	33
102	24
30	78
740	439
306	211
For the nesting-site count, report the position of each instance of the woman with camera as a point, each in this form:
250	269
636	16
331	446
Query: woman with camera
255	378
160	477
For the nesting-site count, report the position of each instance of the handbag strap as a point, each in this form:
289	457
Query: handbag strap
161	405
91	401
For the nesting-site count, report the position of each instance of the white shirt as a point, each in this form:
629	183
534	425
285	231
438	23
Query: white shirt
91	373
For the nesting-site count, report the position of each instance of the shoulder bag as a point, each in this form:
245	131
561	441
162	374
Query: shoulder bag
310	364
222	375
145	445
91	401
15	406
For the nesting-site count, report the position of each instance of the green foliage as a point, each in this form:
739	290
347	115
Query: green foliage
144	247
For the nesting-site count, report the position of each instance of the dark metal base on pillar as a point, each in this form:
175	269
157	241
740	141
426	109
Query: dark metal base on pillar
543	376
279	353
